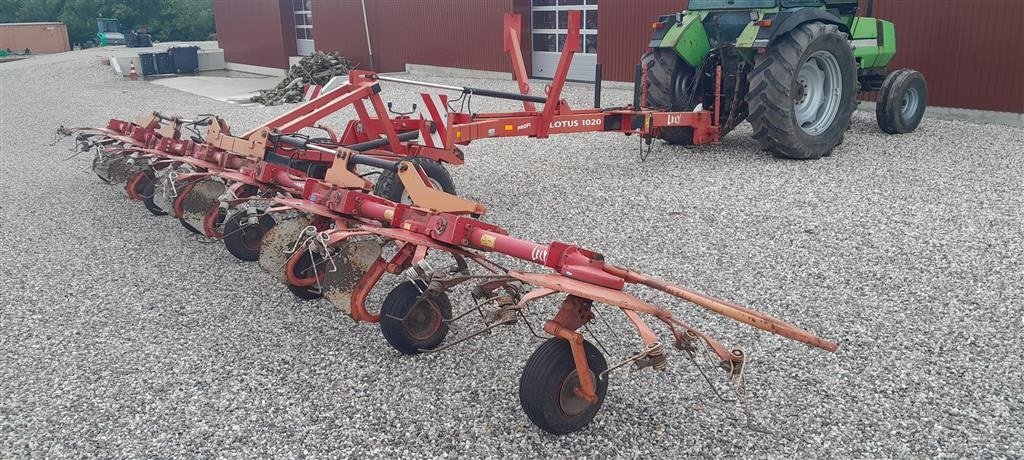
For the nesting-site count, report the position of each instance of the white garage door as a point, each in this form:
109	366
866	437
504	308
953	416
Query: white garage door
303	11
550	26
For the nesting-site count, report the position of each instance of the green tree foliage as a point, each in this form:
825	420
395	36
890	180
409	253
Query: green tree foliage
165	19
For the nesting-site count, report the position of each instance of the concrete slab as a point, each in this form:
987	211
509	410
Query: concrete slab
269	71
227	86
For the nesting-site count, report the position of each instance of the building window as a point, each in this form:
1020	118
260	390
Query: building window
303	18
551	24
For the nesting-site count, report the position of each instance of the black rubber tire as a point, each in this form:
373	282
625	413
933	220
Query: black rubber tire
305	262
773	83
239	242
888	108
390	187
666	75
540	386
399	303
148	189
189	227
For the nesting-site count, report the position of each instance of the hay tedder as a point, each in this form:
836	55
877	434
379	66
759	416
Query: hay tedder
304	208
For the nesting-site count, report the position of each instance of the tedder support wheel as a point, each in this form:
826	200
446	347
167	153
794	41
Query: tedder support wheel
304	269
137	183
190	228
390	187
242	238
668	87
148	190
547	387
802	92
901	101
410	326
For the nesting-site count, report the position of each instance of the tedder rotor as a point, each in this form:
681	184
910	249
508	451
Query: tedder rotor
304	208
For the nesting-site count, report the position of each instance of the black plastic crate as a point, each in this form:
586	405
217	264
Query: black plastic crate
148	63
164	63
186	58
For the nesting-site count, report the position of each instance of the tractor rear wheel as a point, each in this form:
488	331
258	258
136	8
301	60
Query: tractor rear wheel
668	86
390	187
901	101
802	92
547	388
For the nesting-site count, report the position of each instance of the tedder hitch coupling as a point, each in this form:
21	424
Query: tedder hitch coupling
304	208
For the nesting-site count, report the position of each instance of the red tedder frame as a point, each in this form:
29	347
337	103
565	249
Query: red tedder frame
558	117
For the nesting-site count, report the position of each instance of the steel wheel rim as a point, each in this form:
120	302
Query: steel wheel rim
423	320
819	93
250	235
405	193
569	402
911	99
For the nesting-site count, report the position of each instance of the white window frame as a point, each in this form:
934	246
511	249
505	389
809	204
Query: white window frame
556	32
302	48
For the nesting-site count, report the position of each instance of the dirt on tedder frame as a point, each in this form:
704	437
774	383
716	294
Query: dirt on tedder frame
297	205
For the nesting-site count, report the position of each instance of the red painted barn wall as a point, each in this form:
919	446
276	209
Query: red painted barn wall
968	50
455	33
623	32
338	26
255	32
971	60
459	33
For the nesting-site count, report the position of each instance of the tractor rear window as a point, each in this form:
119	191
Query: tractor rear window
729	4
796	3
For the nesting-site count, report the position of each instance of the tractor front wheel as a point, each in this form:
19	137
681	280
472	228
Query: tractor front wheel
802	92
901	101
669	87
547	388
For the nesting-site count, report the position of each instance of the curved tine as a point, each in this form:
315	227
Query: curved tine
731	310
723	353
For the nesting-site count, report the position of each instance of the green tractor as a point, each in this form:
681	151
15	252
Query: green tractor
109	32
791	67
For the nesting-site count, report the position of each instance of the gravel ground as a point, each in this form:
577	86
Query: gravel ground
122	335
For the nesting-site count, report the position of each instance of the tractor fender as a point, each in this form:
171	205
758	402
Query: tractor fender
784	22
685	33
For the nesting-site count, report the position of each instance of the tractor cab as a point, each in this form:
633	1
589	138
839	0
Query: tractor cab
844	7
734	13
109	32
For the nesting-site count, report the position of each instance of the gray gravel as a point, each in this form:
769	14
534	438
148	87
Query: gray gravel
122	335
